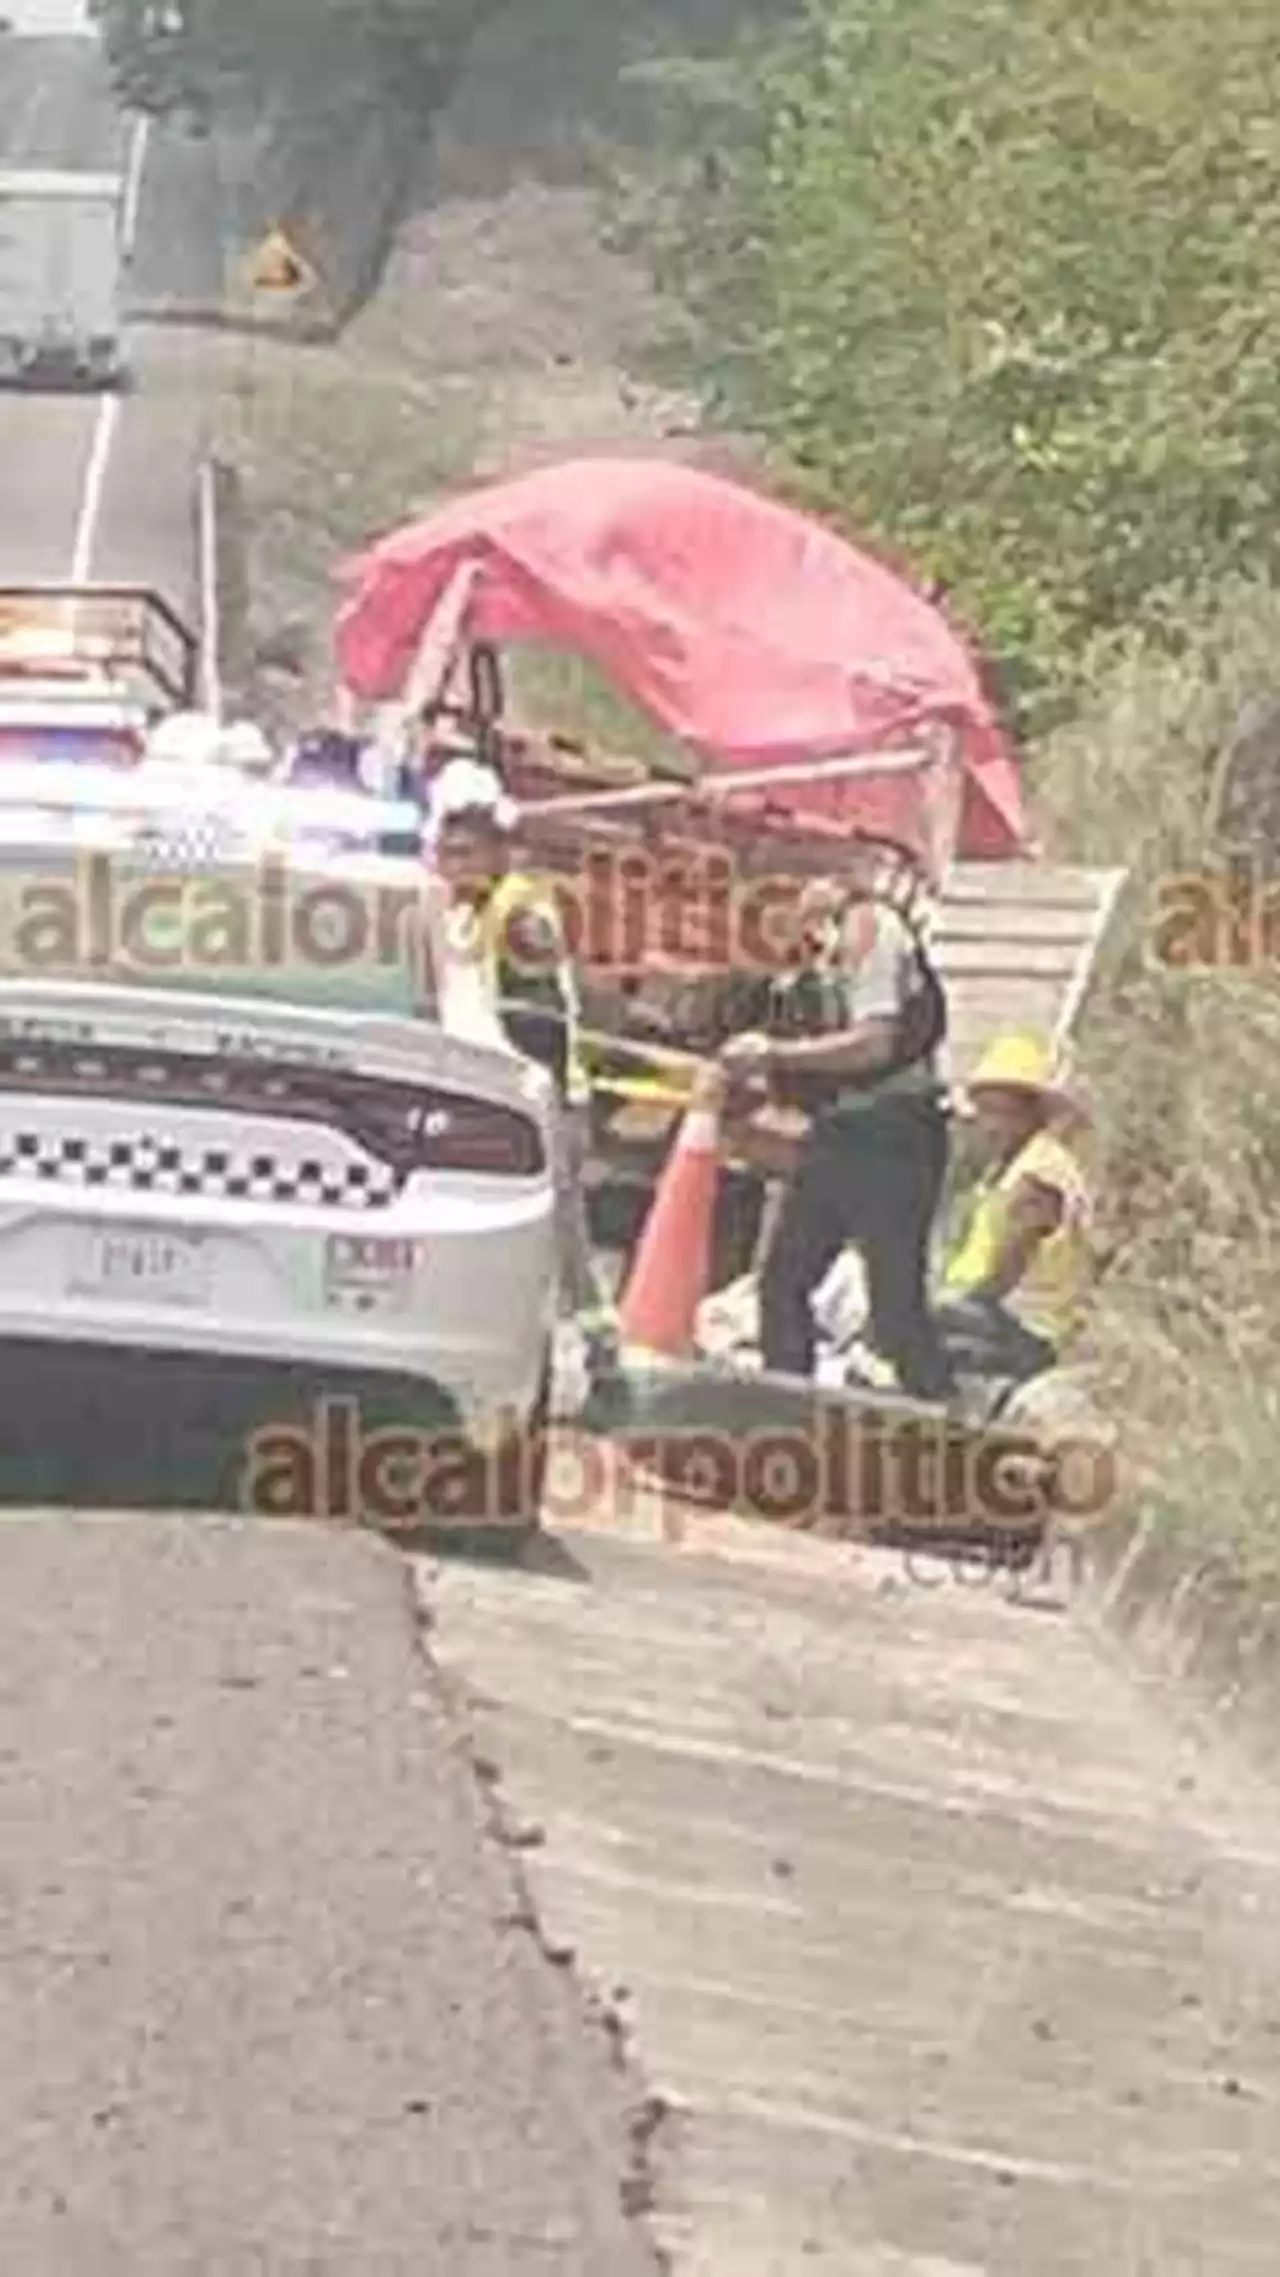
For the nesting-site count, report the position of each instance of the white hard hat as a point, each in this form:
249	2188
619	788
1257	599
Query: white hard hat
185	739
467	786
244	746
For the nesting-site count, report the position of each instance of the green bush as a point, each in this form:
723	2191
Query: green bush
995	282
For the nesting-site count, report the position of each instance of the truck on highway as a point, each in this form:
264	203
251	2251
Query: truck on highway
62	259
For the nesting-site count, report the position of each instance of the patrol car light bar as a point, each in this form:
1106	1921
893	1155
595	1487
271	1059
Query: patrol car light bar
114	630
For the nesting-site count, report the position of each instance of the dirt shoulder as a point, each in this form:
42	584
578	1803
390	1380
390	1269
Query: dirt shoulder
506	329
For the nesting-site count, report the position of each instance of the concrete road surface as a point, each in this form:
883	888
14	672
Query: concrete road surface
953	1954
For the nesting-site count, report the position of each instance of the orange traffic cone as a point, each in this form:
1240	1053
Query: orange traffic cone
668	1282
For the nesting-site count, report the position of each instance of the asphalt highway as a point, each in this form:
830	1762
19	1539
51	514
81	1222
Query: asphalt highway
271	1996
268	2001
98	486
54	112
56	107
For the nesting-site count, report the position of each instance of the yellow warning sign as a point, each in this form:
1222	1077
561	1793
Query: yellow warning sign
278	267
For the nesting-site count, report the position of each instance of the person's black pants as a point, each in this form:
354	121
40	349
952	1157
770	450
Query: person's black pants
984	1339
872	1179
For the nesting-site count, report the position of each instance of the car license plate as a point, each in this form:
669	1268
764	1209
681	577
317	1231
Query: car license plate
368	1273
148	1266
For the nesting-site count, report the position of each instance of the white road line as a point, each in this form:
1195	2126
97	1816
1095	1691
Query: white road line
135	167
21	135
93	487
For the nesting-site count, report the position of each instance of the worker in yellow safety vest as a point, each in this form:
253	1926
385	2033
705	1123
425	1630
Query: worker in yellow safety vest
470	820
1016	1287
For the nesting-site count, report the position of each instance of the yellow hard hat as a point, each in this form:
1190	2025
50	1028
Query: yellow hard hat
1022	1061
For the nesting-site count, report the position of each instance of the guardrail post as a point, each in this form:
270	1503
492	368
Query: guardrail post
222	581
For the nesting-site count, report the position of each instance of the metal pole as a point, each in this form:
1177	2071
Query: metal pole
728	786
209	604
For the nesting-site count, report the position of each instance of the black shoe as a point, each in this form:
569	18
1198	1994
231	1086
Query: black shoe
601	1348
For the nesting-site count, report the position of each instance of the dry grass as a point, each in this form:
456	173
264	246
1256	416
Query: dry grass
501	338
333	449
1185	1070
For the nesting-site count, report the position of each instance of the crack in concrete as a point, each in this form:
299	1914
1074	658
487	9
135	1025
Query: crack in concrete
648	2113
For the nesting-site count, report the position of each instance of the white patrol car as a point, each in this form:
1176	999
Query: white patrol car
275	1197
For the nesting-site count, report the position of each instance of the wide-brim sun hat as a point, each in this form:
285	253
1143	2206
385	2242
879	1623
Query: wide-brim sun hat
1021	1061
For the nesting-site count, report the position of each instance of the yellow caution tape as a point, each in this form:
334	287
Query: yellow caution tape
639	1093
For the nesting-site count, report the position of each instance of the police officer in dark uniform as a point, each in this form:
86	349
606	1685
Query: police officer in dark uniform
855	1038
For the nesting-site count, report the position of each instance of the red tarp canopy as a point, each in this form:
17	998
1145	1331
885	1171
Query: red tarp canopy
754	635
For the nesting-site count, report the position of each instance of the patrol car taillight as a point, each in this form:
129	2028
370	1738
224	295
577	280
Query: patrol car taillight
430	1129
471	1135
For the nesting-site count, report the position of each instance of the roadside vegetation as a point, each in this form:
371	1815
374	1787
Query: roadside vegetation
993	283
1185	1070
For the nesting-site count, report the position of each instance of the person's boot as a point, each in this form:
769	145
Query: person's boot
606	1400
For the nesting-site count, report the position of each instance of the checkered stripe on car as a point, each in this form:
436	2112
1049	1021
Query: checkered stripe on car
153	1166
184	845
